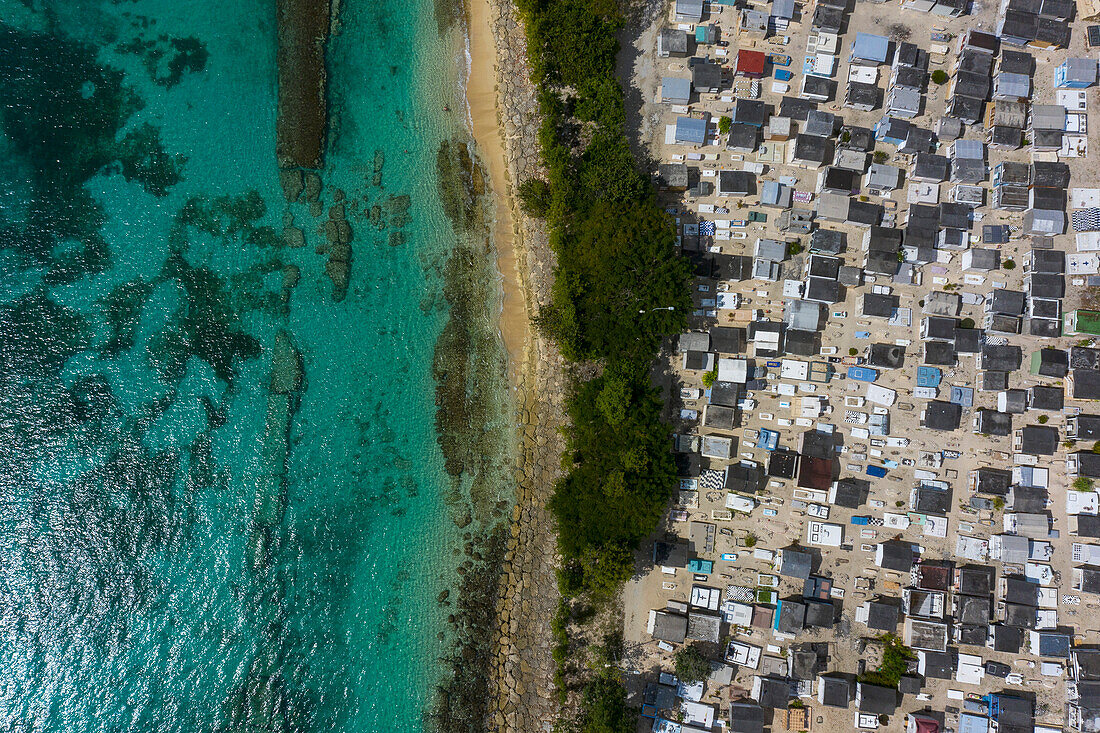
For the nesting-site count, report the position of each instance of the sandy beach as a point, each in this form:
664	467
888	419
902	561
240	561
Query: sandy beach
481	96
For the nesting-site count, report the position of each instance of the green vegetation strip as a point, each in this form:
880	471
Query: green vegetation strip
620	288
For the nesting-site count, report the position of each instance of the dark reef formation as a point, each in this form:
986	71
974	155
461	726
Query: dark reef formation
303	104
475	437
462	703
165	59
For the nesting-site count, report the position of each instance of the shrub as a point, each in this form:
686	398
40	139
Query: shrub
1043	419
1096	447
691	664
880	156
570	580
619	289
604	569
750	540
724	124
535	197
998	503
795	248
1083	483
604	705
853	351
1009	264
939	76
967	323
710	377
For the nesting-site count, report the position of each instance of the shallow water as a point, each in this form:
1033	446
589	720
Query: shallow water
198	531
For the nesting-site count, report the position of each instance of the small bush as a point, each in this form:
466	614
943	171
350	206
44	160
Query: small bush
880	156
853	351
967	323
570	580
724	124
535	197
795	248
604	570
710	377
1043	419
691	664
1096	447
998	503
1009	264
1083	483
939	76
750	540
604	705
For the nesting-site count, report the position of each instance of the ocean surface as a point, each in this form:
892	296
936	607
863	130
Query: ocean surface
223	502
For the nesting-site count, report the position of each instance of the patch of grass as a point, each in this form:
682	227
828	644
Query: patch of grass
895	662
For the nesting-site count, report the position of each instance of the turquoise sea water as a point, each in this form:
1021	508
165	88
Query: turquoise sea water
145	583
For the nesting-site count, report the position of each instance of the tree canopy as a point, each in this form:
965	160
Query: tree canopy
622	470
605	709
617	278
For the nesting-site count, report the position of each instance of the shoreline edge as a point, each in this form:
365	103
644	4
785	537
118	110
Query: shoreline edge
504	121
